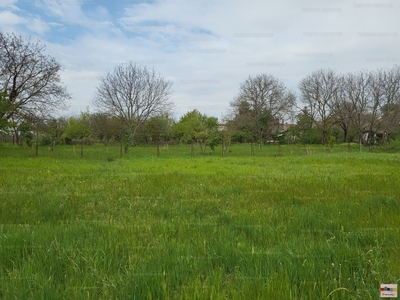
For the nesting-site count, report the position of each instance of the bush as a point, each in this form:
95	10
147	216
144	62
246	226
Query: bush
332	141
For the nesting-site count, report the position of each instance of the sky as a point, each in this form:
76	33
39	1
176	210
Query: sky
206	48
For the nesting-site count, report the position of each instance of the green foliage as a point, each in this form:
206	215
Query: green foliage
106	128
188	127
157	128
101	126
78	128
242	125
212	136
52	131
5	107
26	133
391	119
332	141
126	141
242	136
262	101
195	127
307	132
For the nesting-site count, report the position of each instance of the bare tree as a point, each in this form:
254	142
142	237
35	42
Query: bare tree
377	92
30	78
343	109
369	102
358	92
263	102
319	91
134	94
390	104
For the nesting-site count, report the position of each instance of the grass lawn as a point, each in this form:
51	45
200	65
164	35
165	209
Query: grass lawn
280	224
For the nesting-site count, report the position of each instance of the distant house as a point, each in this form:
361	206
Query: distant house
278	130
375	136
222	127
281	128
286	126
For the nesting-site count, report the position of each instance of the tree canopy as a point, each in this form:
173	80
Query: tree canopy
134	94
29	77
263	101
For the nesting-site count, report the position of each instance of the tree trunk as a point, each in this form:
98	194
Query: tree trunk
16	137
37	144
345	134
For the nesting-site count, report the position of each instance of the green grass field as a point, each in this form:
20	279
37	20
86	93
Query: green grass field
276	225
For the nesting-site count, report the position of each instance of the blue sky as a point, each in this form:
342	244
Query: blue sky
207	48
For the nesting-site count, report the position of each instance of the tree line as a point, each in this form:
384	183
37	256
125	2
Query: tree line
363	106
133	106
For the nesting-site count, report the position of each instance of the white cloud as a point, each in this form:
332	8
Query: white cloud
38	26
9	21
9	18
7	3
65	11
